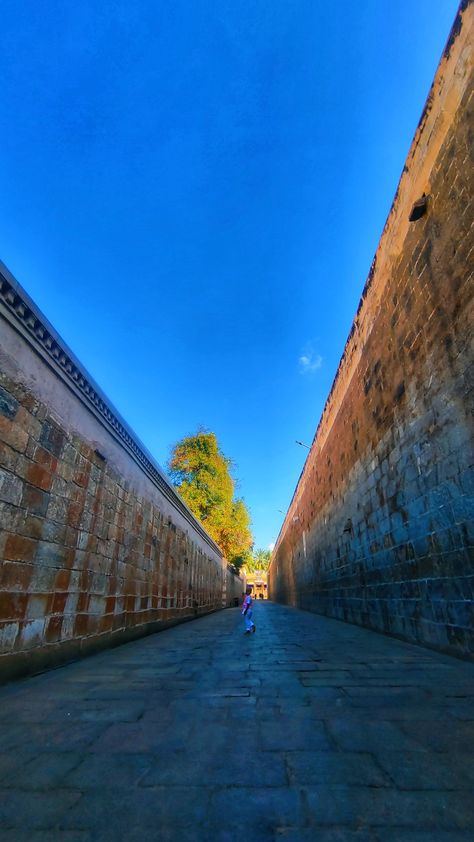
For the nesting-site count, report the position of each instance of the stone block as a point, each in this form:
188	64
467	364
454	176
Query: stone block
19	548
8	404
42	579
308	767
60	486
466	481
62	580
57	509
13	435
11	487
266	807
40	811
35	500
296	737
38	476
126	771
37	606
81	625
388	808
53	629
442	517
44	458
46	771
463	509
15	575
8	635
52	438
74	515
53	532
369	737
50	555
31	633
57	602
8	457
65	471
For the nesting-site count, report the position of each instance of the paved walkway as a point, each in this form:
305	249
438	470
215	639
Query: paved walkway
310	729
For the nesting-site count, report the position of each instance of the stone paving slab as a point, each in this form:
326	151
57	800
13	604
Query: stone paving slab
311	729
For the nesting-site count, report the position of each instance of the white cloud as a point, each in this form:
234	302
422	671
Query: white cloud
309	361
271	547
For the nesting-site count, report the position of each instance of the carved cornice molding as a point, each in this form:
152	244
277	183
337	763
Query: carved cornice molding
23	315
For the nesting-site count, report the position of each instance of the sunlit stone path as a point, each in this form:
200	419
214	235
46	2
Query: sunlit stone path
309	730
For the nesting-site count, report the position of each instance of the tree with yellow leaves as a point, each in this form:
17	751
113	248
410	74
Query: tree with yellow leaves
202	475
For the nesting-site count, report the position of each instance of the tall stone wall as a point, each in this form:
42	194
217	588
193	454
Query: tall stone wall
95	546
234	589
380	529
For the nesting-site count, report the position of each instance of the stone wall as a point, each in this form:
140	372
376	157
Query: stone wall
380	529
234	589
95	546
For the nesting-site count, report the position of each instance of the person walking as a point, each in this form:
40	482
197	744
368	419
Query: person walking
247	611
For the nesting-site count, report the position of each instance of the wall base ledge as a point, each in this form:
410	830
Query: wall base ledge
17	665
450	651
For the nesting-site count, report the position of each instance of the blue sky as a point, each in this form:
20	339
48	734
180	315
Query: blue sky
193	193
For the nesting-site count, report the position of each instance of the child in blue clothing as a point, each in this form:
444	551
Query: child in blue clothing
247	611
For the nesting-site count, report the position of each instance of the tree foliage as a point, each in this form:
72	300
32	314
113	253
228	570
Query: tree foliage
259	560
203	476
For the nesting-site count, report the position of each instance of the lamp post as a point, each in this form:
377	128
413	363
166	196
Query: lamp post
303	444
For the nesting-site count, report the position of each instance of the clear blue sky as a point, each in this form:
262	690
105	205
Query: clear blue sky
193	191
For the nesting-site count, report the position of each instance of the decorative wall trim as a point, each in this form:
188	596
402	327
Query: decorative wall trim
18	309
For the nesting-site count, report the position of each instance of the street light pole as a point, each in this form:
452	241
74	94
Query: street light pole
303	445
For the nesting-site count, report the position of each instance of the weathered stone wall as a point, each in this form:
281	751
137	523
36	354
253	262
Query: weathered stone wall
95	545
234	589
380	529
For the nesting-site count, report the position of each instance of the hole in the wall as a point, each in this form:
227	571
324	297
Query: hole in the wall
419	208
348	528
